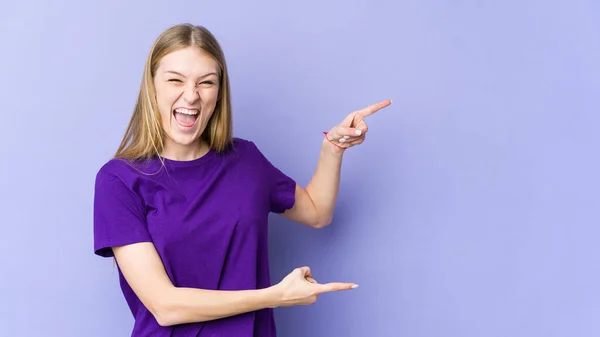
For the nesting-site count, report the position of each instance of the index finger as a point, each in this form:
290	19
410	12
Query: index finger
335	286
371	109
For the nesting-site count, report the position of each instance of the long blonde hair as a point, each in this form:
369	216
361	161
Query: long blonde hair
144	136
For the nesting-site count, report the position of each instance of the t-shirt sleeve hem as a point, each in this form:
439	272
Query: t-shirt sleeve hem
288	198
105	250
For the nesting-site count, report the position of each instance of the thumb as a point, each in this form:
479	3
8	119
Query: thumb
304	271
347	122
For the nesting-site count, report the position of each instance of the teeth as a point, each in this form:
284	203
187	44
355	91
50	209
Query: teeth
187	111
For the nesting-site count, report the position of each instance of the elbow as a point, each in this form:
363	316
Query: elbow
164	319
172	310
322	222
164	311
163	316
166	316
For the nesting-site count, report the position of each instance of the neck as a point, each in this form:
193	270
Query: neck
185	153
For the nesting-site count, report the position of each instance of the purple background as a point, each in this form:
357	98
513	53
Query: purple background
472	210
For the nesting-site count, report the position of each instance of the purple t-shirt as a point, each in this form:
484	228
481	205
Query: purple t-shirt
208	220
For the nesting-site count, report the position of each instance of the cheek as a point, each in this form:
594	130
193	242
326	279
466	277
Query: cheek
210	95
165	110
165	101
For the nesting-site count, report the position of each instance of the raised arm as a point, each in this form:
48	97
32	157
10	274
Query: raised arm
315	204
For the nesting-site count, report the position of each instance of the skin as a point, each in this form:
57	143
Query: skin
186	78
195	85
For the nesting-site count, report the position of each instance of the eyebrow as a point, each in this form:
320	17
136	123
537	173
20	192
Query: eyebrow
180	74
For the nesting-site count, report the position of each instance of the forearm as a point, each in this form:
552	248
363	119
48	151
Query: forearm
324	186
170	305
189	305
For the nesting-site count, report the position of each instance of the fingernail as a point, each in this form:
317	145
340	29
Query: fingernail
354	286
346	137
342	140
358	132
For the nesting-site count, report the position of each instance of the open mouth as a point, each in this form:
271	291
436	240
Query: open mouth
186	117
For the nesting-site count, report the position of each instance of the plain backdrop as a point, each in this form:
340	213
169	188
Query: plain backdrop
472	209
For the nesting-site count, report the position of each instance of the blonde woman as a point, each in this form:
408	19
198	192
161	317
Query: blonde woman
183	205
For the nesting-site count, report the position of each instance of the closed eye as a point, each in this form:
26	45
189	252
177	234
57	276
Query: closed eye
201	83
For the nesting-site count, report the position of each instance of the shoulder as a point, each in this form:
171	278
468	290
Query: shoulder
123	171
248	153
110	171
122	182
245	148
114	169
241	144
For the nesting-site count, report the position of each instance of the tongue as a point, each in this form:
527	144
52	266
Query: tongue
185	120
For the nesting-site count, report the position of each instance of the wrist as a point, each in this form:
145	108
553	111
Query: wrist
329	148
273	297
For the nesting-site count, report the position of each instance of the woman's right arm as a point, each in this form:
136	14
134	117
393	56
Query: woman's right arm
144	272
142	268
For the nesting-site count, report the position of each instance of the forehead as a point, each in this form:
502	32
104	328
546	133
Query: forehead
190	61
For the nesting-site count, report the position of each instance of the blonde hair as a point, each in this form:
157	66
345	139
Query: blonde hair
144	136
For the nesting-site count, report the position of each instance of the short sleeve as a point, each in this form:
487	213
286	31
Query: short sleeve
119	216
282	188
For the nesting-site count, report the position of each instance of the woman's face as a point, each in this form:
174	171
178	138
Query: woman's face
187	91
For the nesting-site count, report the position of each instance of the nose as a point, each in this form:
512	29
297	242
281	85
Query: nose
191	94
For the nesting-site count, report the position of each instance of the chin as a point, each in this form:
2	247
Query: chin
184	139
187	142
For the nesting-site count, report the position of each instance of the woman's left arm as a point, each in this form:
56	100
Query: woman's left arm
315	204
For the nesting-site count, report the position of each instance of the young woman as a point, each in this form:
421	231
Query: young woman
183	205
